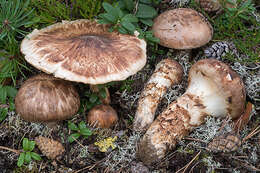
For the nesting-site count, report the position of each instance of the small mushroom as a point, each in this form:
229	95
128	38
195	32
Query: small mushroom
168	72
44	98
182	28
214	5
102	116
213	89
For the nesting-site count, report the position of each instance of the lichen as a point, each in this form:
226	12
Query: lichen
105	144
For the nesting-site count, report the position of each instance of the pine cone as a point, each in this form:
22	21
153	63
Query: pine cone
225	143
220	49
49	147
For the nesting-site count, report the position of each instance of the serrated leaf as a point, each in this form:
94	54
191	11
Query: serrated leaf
35	156
27	157
128	26
20	160
122	30
82	125
31	145
148	22
26	144
86	132
129	4
129	18
73	136
145	11
72	126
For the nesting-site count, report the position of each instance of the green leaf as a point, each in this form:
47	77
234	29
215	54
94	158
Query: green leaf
122	30
35	156
146	1
31	145
127	25
27	157
103	21
148	22
153	39
146	11
93	98
21	160
11	91
3	113
103	93
129	18
129	5
110	9
82	125
86	132
26	146
72	126
110	17
73	136
3	95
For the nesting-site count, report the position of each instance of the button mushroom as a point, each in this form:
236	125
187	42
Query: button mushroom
102	116
167	73
44	98
182	28
214	89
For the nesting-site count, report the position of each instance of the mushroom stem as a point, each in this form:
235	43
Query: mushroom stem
167	73
214	89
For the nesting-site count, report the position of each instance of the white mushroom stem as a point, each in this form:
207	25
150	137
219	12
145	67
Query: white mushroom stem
167	73
213	90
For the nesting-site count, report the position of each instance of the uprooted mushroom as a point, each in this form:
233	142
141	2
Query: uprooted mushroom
167	73
213	89
84	51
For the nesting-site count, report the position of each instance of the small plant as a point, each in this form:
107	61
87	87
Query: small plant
79	130
7	94
128	16
13	16
27	155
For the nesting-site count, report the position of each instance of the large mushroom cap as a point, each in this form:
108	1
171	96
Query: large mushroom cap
182	28
229	91
43	98
84	51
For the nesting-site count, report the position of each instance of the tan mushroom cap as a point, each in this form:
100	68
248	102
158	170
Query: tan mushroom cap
182	28
84	51
44	98
230	85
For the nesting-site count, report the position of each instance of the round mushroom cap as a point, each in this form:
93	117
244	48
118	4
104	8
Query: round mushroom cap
103	116
182	28
228	83
44	98
84	51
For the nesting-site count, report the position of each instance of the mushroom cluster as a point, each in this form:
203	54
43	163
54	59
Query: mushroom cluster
81	51
213	89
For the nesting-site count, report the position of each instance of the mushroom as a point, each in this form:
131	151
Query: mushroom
182	28
214	89
84	51
214	5
44	98
102	116
168	72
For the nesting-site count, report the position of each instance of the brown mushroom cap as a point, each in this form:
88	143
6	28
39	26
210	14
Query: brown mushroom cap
228	83
182	28
43	98
103	116
84	51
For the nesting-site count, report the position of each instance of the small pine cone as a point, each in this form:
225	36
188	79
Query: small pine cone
49	147
220	49
225	143
209	5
